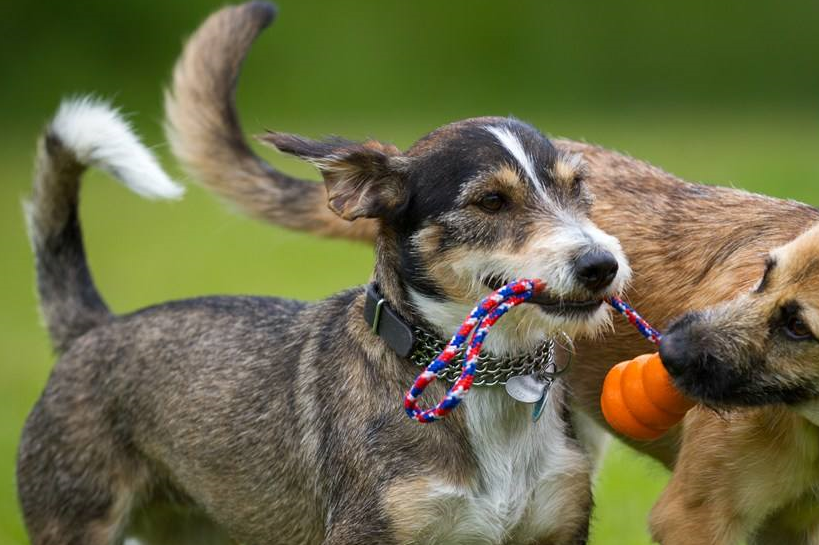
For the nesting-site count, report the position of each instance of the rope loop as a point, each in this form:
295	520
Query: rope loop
480	320
474	330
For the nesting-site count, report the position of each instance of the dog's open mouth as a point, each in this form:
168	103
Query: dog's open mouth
552	304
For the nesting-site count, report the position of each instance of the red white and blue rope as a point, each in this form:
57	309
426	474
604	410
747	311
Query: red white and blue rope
482	317
635	319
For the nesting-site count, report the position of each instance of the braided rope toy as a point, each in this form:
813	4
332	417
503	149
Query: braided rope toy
635	319
484	316
665	405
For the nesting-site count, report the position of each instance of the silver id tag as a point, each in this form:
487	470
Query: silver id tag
526	388
529	389
534	388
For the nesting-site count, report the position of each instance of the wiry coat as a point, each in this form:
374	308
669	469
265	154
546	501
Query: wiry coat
253	419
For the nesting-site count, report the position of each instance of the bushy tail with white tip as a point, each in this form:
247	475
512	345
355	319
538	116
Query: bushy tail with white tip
83	133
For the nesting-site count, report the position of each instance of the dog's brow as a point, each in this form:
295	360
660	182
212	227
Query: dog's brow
514	146
569	167
505	177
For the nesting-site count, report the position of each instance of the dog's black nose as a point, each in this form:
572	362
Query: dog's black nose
681	348
676	352
596	269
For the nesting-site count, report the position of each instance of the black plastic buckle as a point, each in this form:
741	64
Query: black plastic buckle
387	324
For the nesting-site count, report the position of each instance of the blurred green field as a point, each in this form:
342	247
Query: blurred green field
691	87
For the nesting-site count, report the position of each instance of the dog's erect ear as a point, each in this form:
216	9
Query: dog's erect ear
363	179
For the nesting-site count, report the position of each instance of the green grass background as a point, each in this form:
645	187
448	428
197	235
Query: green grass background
718	93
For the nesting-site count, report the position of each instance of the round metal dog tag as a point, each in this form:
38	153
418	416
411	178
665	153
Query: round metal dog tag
526	388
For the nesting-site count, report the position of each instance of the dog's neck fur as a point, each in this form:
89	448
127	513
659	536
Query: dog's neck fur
444	317
387	275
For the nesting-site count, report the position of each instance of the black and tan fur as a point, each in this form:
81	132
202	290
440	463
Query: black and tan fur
700	243
263	420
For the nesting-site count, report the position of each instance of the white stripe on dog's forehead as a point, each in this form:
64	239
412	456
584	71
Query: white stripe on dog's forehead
513	145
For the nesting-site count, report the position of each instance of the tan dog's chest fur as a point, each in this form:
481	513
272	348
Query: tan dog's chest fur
719	495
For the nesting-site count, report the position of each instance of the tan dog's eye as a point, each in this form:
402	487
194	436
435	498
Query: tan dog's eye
797	329
492	202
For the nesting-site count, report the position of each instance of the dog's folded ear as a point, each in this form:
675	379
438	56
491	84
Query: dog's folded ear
363	179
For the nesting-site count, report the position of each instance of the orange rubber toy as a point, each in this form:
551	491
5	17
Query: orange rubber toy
639	399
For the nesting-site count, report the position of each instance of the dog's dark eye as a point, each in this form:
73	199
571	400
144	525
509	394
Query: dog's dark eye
797	329
492	202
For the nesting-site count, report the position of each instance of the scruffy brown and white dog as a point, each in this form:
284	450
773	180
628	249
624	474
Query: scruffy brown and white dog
757	350
264	420
702	244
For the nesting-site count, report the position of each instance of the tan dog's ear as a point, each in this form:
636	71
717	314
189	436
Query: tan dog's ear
363	180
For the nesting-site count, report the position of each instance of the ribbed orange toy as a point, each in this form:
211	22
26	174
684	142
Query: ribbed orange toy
639	399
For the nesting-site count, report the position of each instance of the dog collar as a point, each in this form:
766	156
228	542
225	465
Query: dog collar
421	347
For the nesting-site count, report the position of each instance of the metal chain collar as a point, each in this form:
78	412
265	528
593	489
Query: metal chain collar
491	370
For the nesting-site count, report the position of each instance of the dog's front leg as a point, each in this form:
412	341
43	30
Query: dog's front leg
796	523
682	517
348	535
698	505
775	535
358	522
